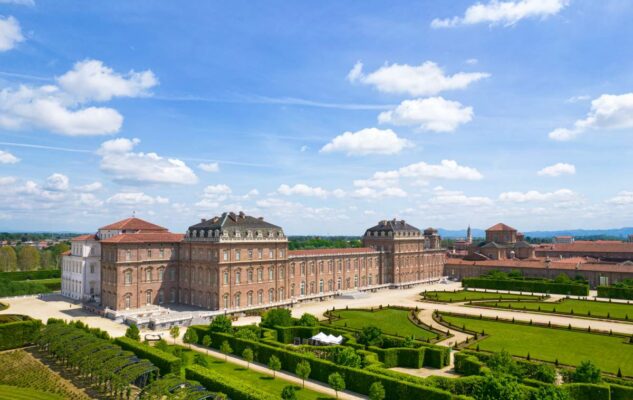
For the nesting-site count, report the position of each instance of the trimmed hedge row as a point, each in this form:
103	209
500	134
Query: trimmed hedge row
166	363
286	334
577	289
619	392
400	357
467	364
19	333
233	388
356	380
21	288
614	292
31	275
587	391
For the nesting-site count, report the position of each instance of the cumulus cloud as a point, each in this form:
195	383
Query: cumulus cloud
621	199
367	141
607	112
442	196
118	160
10	33
558	169
505	13
432	114
426	79
134	198
372	193
91	187
64	108
536	196
6	180
8	158
57	183
209	167
301	189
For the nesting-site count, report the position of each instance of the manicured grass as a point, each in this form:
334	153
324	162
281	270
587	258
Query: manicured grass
570	347
466	295
390	321
18	393
250	377
20	369
599	309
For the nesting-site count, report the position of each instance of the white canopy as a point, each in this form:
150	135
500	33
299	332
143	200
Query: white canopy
327	339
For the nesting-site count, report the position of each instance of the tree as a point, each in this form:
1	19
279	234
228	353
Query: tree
336	382
275	364
276	317
550	392
248	356
289	393
220	396
28	258
8	259
586	372
190	337
370	336
221	323
247	333
174	332
206	342
497	386
348	357
133	333
308	320
303	371
226	349
502	362
376	391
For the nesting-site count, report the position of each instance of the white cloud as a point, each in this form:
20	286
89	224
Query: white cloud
442	196
8	158
91	187
536	196
472	61
303	148
426	79
89	200
623	198
558	169
447	169
6	180
215	190
63	108
302	190
433	114
372	193
607	112
576	99
118	159
134	198
57	183
10	33
209	167
367	141
503	12
90	80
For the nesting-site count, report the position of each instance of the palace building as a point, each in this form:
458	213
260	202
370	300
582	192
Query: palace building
239	262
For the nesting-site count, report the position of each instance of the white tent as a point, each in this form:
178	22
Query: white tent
327	339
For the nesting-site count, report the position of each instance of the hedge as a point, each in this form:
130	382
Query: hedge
578	289
233	388
356	380
614	292
587	391
21	288
467	364
166	363
619	392
405	357
19	333
286	334
30	275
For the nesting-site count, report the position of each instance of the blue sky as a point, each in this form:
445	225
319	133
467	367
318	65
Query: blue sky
321	119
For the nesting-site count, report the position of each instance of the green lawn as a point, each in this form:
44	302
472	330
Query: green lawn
255	379
580	307
18	393
569	347
390	321
466	295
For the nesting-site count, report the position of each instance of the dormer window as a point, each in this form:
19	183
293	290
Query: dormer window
237	233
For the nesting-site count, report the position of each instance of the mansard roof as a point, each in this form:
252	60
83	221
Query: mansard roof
393	225
232	225
133	224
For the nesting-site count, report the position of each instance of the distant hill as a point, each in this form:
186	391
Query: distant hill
621	233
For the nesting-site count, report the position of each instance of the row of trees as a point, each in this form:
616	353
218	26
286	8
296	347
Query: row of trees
29	258
331	242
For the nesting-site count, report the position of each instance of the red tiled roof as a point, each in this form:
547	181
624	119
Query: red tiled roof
330	252
134	224
500	227
604	246
147	237
519	264
83	237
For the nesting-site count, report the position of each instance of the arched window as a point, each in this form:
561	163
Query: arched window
330	285
282	273
303	288
271	295
161	272
338	284
249	298
225	300
238	277
172	295
355	280
161	296
128	277
260	296
260	275
292	290
148	297
321	286
271	273
225	278
238	298
370	280
280	296
250	275
127	300
311	287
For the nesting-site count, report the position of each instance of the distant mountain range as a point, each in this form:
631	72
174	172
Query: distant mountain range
615	232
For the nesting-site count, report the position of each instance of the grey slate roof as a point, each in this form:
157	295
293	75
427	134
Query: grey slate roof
393	225
231	222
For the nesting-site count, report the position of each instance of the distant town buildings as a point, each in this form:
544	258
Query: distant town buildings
502	243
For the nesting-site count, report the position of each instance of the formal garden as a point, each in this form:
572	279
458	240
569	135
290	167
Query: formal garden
20	283
458	296
575	307
515	281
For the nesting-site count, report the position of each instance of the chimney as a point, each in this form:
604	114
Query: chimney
203	220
